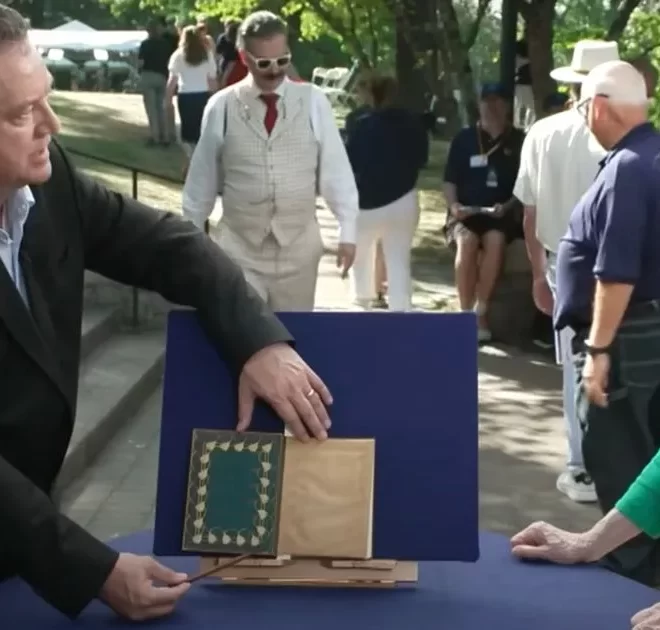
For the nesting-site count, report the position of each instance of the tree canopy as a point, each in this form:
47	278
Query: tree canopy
435	46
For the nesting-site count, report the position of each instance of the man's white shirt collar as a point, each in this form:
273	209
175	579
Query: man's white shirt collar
256	91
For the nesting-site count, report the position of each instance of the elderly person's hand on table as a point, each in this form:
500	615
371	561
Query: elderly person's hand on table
542	541
647	619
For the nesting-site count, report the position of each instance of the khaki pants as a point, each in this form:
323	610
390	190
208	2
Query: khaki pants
161	119
285	277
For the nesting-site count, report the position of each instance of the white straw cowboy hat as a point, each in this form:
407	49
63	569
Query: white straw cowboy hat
587	54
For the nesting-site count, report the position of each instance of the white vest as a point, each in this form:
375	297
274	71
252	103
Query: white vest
269	182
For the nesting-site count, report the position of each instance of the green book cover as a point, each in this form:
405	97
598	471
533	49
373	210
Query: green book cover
234	491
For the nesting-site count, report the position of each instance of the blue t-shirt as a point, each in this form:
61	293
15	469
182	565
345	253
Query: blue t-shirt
614	231
482	168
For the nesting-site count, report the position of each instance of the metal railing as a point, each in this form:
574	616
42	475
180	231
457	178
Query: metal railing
135	193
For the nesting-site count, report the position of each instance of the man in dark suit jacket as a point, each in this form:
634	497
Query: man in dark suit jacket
54	224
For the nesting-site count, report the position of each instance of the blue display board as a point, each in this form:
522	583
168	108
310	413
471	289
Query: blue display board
409	380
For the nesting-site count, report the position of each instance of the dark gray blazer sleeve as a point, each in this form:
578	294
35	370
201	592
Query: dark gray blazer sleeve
64	564
159	251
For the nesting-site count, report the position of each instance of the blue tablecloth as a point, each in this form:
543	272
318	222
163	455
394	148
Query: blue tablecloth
497	592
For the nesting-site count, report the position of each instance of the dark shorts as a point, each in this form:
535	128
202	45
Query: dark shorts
481	224
191	109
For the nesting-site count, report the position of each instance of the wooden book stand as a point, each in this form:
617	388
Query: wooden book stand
287	571
314	505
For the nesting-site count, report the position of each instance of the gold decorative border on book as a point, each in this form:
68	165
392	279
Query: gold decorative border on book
266	492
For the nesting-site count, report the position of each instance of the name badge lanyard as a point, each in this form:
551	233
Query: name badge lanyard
495	147
491	179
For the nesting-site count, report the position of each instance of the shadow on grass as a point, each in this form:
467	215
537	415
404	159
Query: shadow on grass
103	131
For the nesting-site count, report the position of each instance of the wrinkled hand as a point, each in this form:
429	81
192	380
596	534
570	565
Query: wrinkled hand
543	296
595	374
345	258
278	375
542	541
647	619
130	590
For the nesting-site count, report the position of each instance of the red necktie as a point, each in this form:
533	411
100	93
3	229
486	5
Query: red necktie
271	111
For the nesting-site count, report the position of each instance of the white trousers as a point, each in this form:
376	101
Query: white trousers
394	225
524	107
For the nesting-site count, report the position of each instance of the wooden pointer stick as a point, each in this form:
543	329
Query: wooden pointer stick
219	567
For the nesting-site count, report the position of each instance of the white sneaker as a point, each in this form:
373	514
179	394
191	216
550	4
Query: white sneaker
484	335
577	486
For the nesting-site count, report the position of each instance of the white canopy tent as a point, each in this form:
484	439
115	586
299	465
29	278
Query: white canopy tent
74	26
78	36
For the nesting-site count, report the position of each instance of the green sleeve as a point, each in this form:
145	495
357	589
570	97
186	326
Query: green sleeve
641	503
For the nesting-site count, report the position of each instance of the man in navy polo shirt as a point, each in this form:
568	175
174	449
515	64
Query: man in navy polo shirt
482	213
608	291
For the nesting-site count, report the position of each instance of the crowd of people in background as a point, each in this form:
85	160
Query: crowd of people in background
184	61
580	186
502	183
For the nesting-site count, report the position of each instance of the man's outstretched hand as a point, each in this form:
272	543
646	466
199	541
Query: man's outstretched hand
278	375
139	588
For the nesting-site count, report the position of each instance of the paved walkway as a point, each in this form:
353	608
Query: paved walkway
522	444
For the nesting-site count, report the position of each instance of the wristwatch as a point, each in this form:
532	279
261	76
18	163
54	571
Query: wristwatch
594	351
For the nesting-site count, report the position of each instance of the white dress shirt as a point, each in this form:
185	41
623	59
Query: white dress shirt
335	180
559	162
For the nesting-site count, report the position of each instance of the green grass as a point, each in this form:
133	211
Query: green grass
113	127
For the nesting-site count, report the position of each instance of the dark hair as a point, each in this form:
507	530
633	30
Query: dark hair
555	100
231	29
383	90
13	26
193	45
260	25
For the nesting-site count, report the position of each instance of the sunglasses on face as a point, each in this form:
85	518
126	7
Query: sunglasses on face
266	63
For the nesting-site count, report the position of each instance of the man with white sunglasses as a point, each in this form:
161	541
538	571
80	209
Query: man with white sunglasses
270	145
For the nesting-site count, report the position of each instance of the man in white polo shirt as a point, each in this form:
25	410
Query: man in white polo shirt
560	160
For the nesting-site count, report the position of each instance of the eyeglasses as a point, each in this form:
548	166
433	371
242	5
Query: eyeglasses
265	63
582	107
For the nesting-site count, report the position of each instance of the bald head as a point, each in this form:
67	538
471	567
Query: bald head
618	81
614	99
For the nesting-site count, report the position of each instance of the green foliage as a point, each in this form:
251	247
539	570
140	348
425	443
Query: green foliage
641	37
140	10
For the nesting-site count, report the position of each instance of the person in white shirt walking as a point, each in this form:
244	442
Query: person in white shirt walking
560	160
193	78
270	145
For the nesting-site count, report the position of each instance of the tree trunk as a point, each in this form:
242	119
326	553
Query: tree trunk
539	19
456	55
621	18
413	86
